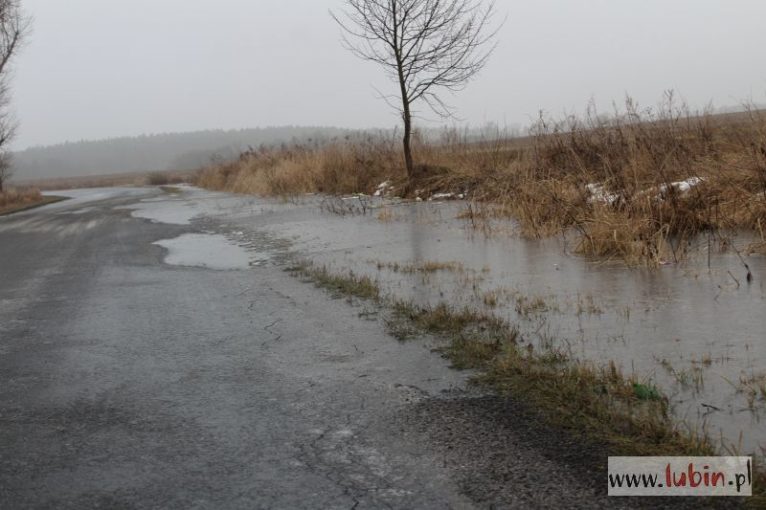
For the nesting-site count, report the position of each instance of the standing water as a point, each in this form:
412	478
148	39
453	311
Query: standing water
695	329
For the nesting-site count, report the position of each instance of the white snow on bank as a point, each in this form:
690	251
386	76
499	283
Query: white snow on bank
441	196
598	193
446	196
383	189
682	186
205	250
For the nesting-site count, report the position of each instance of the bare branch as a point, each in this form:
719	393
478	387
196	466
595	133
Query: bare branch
13	27
425	46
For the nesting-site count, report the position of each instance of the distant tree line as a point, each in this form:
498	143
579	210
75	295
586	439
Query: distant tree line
175	151
194	150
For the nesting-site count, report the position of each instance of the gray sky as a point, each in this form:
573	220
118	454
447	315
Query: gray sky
101	68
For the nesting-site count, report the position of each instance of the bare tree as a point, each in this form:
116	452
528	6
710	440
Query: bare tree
425	46
13	26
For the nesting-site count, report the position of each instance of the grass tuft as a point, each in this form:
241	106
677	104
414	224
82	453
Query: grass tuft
19	199
630	416
349	285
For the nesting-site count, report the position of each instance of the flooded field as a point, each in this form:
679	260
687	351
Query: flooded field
695	329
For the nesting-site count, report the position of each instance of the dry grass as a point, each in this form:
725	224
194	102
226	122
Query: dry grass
634	163
427	266
352	285
757	248
17	199
612	181
341	167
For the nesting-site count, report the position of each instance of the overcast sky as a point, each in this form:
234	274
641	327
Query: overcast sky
102	68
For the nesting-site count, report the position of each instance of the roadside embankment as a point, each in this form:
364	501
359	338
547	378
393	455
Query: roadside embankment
16	200
639	186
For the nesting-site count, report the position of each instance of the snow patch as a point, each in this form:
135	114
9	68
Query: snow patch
682	186
599	194
383	189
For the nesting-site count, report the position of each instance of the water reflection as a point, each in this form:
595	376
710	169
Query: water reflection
689	328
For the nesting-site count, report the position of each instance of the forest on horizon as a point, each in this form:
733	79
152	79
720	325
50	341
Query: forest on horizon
157	152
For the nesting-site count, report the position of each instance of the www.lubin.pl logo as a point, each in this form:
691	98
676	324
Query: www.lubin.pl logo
680	476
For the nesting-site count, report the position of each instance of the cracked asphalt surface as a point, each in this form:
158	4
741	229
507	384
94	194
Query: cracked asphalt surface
129	383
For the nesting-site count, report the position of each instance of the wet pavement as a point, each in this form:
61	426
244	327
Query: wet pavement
695	329
140	369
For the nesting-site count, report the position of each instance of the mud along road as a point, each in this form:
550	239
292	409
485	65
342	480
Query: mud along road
128	382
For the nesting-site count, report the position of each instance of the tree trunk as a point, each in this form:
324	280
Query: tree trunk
407	117
407	141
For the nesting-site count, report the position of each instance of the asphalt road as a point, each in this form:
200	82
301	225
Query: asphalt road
129	383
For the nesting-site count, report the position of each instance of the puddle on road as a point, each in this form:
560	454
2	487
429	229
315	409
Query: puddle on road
171	211
696	333
209	251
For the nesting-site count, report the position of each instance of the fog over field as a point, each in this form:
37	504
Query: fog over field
93	70
159	152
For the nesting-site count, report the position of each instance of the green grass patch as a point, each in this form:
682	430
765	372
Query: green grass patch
354	285
629	416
